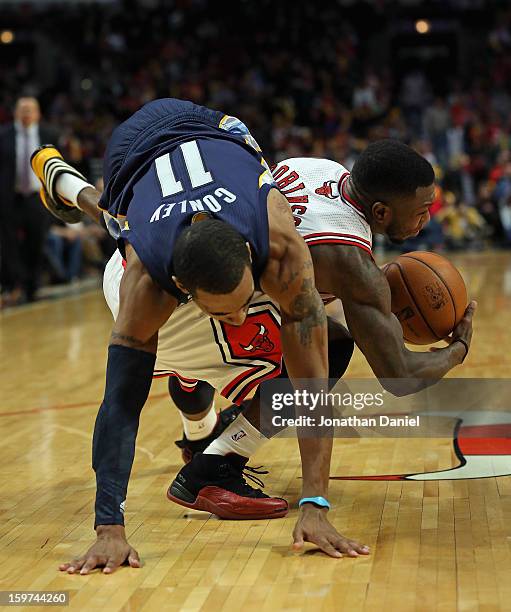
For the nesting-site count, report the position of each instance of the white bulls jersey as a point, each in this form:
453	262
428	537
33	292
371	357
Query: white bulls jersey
324	214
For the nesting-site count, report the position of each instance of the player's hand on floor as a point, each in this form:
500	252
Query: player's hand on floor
313	526
110	551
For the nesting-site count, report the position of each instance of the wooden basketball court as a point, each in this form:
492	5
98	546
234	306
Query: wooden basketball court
435	545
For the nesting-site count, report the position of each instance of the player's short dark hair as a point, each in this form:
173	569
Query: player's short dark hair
389	169
210	255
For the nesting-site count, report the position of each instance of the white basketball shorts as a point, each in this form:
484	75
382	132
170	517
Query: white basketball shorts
193	346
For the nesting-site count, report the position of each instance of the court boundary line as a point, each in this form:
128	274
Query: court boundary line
41	409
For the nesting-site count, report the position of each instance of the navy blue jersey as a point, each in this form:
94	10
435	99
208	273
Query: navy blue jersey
173	159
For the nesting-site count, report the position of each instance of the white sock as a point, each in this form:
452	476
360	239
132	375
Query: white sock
198	430
69	186
241	437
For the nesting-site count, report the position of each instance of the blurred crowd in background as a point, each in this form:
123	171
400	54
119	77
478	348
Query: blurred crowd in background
308	80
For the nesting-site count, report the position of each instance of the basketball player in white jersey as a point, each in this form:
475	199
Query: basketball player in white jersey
388	192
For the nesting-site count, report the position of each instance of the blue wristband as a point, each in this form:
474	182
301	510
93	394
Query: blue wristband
321	502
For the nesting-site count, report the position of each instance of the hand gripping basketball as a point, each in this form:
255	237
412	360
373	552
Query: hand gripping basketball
463	331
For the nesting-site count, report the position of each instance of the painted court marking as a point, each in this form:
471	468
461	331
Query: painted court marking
88	404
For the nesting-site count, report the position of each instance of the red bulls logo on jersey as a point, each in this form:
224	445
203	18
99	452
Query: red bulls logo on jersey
259	336
254	346
260	342
329	189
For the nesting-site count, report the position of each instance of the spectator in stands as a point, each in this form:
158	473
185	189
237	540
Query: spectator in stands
415	96
463	226
23	221
64	250
326	99
505	219
437	122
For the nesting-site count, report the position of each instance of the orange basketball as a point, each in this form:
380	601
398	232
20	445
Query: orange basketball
429	296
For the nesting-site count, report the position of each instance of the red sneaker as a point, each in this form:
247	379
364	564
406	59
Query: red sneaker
214	483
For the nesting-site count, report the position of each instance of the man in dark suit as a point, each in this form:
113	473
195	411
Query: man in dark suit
23	221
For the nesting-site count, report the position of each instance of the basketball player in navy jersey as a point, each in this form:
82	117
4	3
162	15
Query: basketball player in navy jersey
199	217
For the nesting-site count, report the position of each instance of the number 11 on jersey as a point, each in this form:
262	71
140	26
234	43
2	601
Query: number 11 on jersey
197	173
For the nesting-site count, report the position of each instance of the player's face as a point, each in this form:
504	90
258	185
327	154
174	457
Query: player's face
27	111
410	215
231	307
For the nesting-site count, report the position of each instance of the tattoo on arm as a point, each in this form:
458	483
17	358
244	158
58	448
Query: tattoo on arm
130	341
284	286
308	310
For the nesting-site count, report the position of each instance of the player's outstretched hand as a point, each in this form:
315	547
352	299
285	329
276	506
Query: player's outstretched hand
313	526
110	551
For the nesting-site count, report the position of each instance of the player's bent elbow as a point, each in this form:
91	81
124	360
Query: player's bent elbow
393	386
400	386
395	377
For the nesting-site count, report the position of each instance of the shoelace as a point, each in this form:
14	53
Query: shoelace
249	472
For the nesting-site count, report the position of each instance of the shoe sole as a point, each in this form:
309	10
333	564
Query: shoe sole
179	495
38	160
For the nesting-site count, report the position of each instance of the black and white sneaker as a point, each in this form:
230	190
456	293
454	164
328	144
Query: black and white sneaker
224	418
